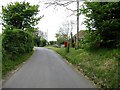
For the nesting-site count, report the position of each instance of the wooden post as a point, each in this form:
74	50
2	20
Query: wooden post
77	24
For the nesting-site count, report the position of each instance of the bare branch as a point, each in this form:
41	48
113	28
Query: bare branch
60	3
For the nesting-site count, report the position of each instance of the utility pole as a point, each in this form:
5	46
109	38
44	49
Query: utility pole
47	37
68	43
77	37
47	34
71	34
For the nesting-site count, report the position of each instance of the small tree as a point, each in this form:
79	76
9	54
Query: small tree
62	34
20	15
43	42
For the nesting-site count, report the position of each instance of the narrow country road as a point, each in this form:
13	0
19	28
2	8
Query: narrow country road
46	69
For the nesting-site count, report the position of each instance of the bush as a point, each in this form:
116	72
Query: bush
90	40
43	41
16	42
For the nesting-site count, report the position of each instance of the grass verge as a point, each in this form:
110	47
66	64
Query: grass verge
0	56
9	65
101	65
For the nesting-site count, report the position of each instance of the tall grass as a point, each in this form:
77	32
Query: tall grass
101	65
9	65
0	56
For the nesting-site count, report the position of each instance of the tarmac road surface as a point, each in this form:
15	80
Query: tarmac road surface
46	69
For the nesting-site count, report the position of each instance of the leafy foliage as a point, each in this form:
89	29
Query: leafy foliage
62	34
52	42
20	15
9	65
61	38
39	41
43	42
103	23
16	42
19	19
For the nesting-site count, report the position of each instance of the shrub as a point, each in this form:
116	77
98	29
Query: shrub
16	42
43	42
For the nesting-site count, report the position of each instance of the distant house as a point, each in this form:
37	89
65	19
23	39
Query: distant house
81	35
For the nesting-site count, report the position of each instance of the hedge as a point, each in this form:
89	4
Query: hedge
16	42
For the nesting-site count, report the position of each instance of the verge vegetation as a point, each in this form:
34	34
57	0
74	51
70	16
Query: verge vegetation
100	65
18	34
9	65
0	56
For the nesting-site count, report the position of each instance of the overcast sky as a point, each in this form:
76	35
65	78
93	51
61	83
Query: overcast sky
53	18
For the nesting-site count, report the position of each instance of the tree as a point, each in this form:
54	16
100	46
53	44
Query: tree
103	22
52	42
60	38
43	42
20	15
62	34
61	3
19	19
66	4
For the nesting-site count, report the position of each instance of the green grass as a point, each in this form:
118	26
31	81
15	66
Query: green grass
101	65
1	58
9	65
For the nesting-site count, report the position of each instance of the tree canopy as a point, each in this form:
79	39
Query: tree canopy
19	19
20	15
103	22
62	34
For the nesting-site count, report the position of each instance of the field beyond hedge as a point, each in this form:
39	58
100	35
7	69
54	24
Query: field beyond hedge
101	66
